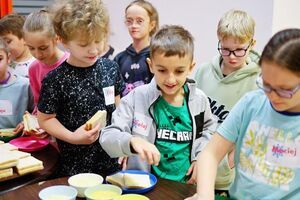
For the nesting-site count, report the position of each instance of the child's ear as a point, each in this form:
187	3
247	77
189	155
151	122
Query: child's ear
192	66
8	58
150	64
57	39
152	25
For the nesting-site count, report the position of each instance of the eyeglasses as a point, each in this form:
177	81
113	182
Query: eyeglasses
130	22
280	92
236	52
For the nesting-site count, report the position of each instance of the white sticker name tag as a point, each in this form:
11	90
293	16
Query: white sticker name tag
141	124
6	107
283	153
109	95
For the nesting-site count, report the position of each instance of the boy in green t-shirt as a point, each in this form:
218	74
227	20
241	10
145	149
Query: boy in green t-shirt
167	122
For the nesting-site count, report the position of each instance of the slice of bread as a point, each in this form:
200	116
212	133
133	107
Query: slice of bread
29	164
20	154
6	173
30	123
98	118
116	179
137	180
30	169
8	147
7	160
129	180
7	132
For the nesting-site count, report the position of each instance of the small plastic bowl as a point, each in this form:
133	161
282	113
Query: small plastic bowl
103	192
83	181
131	197
58	192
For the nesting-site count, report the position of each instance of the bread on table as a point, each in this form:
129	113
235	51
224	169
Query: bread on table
129	180
116	179
29	164
7	132
20	154
7	146
137	180
98	118
7	160
6	172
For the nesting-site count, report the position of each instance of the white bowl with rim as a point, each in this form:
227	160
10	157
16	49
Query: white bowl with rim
83	181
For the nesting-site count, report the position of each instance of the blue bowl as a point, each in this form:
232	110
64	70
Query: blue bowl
61	192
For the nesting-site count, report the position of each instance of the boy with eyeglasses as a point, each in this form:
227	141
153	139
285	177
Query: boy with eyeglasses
231	74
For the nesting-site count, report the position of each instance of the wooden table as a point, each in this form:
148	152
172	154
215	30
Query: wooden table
164	190
50	158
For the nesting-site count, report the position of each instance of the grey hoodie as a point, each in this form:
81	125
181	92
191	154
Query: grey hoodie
134	117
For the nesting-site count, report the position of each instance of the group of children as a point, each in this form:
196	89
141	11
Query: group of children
205	131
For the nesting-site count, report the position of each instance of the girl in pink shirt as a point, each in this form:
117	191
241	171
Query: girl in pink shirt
40	37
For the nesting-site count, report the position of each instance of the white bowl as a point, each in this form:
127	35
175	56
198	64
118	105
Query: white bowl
58	192
103	192
83	181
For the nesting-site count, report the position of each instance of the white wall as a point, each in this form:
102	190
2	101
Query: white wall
199	17
286	14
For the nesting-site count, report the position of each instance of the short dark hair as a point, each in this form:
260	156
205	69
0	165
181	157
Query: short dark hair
12	23
172	40
284	49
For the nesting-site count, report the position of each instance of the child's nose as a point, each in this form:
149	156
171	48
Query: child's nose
232	55
94	49
273	95
171	78
39	54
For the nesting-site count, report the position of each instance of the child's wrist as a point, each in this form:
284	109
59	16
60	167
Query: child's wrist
132	150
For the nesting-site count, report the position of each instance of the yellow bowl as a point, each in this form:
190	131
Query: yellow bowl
131	197
83	181
103	192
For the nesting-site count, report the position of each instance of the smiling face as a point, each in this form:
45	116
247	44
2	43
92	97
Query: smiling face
170	73
82	54
138	22
41	46
232	63
278	77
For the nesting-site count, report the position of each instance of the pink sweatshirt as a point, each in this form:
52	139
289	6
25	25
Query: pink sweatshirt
37	72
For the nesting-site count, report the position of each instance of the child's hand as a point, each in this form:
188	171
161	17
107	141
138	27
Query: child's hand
123	162
82	136
19	128
192	170
146	150
194	197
